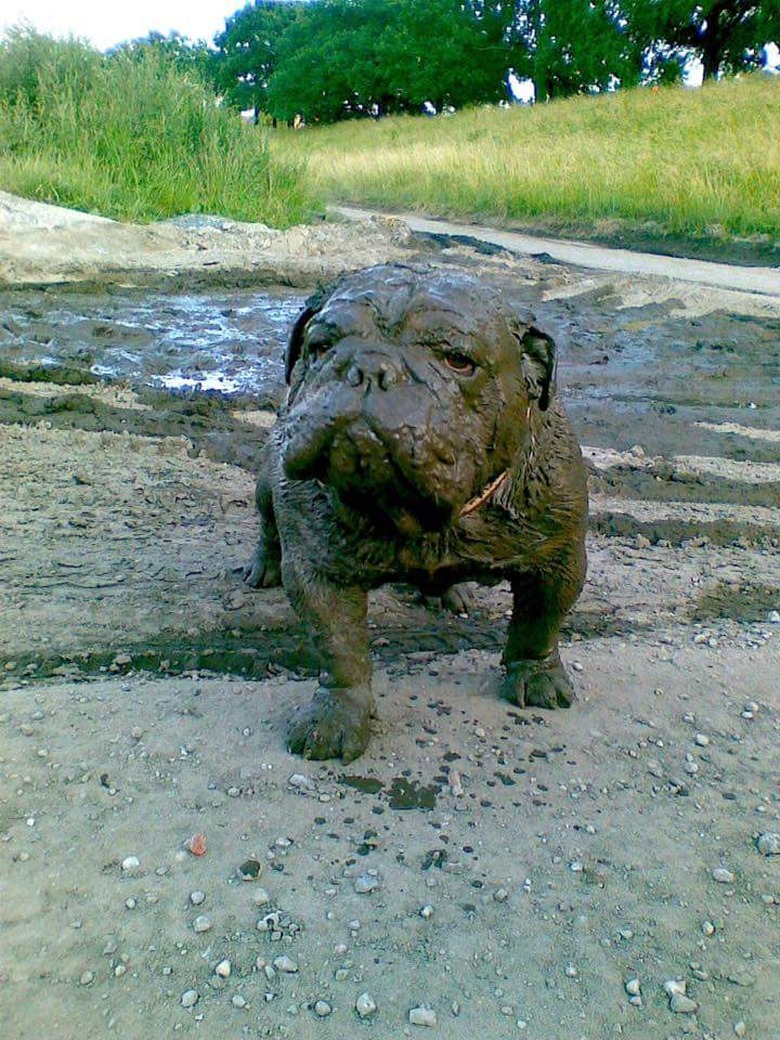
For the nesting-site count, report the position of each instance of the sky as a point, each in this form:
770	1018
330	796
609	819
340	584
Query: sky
105	24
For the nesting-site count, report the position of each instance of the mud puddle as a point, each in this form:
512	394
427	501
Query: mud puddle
229	342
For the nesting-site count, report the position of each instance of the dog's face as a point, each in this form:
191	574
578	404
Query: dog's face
410	389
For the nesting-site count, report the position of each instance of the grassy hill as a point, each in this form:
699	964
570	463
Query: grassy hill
666	162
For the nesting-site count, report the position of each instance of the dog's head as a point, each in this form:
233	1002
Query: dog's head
409	390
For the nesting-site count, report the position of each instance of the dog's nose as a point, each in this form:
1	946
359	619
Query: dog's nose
383	375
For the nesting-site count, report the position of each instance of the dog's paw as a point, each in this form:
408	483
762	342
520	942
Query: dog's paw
538	684
263	571
337	724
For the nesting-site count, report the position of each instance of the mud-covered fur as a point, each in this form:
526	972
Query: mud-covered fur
421	442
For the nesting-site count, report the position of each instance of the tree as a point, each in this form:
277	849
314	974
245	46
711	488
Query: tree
725	34
248	51
179	51
571	46
357	57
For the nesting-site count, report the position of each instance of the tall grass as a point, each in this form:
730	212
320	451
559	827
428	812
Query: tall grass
682	162
132	137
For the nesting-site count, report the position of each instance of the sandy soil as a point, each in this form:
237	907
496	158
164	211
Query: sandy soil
513	872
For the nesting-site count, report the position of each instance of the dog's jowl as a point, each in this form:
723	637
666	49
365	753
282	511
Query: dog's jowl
421	442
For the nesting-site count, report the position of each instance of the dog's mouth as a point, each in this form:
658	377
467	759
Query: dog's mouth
400	484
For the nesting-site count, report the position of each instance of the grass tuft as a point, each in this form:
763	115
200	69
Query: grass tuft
133	137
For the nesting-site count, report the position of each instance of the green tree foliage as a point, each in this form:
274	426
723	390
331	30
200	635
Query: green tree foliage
570	46
247	52
339	58
177	50
725	34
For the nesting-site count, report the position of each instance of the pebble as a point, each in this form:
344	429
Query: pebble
223	969
260	897
672	987
708	928
740	1028
87	977
769	843
702	740
683	1005
723	876
426	912
773	617
322	1009
501	895
131	863
632	987
238	1001
197	897
300	782
366	883
202	923
286	964
189	998
365	1005
422	1016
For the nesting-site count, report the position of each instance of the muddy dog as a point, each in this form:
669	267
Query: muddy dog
421	442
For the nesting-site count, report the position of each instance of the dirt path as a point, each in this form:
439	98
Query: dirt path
760	280
517	874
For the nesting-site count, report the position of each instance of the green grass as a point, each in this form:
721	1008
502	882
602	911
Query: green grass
676	161
134	138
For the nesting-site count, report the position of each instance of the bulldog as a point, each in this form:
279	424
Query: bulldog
421	442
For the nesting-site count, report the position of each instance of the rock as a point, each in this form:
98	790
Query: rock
322	1009
632	987
426	912
300	782
189	998
723	876
702	740
366	883
365	1005
202	923
707	928
250	870
197	897
740	1029
87	977
260	897
682	1004
130	863
286	964
422	1016
501	895
768	843
223	969
674	986
238	1001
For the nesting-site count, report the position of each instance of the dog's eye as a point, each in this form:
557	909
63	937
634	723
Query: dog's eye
460	363
317	348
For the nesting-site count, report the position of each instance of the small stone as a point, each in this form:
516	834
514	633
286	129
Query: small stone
422	1016
260	897
740	1029
131	863
202	923
723	876
286	964
238	1001
571	972
707	928
773	617
426	912
674	986
300	782
701	740
576	866
250	870
365	1005
223	969
322	1009
189	998
768	844
197	897
501	895
366	883
632	987
130	903
683	1005
87	977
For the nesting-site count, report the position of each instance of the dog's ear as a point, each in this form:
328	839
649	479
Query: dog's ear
313	306
538	350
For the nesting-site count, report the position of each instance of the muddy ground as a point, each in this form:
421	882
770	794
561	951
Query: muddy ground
510	870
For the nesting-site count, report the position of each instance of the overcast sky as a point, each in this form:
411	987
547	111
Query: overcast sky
105	24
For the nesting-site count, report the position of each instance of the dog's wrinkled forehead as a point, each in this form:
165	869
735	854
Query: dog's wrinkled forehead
390	297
